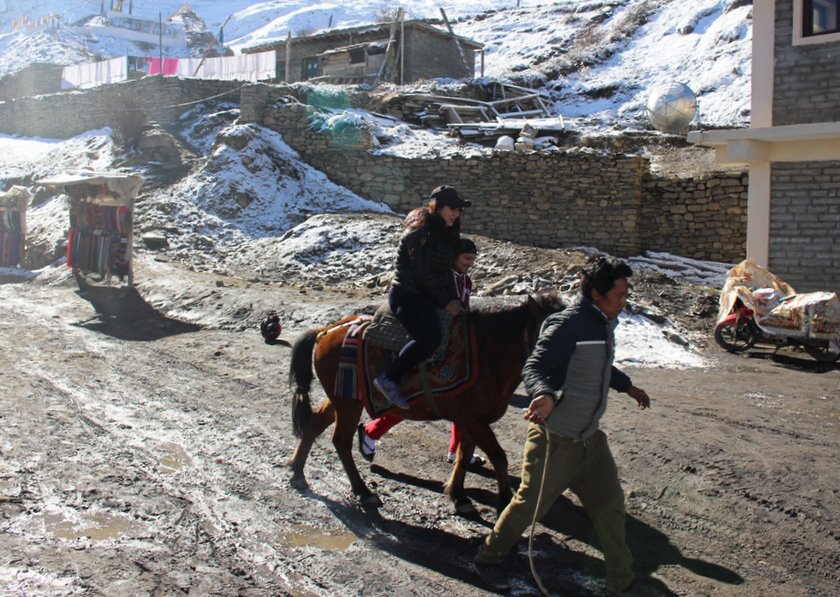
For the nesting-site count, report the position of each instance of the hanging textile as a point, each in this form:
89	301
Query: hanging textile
169	67
98	238
10	237
93	74
242	67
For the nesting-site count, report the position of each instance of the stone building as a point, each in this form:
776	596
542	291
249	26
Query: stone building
401	52
792	147
35	79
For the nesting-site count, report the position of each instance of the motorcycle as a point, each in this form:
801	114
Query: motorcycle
738	331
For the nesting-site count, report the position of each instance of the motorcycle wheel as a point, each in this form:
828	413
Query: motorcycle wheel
822	353
735	339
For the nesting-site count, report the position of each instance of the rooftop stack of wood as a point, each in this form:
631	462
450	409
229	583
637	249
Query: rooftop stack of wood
507	111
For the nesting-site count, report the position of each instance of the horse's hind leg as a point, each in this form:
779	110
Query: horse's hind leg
315	426
349	413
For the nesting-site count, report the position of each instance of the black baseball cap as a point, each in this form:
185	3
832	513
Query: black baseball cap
446	195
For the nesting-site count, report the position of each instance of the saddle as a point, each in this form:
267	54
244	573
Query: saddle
371	344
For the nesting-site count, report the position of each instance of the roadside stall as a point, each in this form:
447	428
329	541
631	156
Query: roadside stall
13	205
101	232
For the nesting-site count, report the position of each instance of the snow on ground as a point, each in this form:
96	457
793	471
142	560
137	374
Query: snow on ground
643	343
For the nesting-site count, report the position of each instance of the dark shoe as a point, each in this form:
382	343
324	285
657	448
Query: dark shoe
391	390
493	575
476	460
364	447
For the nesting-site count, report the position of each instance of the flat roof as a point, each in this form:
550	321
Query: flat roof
372	28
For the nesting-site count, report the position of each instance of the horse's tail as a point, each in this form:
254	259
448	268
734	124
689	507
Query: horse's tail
300	378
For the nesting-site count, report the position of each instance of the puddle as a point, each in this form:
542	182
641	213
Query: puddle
101	526
174	458
321	541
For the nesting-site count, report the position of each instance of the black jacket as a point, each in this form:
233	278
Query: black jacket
424	261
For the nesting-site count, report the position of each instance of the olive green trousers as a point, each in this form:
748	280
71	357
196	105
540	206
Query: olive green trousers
588	469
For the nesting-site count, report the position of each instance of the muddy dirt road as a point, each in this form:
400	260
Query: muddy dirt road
142	455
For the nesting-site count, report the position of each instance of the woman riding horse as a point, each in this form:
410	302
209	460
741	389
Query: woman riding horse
422	284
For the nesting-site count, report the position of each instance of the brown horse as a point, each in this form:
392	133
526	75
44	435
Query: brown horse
505	337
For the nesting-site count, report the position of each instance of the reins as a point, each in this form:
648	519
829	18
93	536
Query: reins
536	515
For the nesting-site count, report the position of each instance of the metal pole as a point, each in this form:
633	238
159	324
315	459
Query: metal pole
160	41
402	49
288	57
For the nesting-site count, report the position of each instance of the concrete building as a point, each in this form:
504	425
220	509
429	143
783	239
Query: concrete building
792	147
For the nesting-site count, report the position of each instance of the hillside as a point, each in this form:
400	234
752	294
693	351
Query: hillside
598	59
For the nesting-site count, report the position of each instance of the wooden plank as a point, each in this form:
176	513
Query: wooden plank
392	38
457	44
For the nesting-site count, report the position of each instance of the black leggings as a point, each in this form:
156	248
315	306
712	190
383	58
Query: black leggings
419	316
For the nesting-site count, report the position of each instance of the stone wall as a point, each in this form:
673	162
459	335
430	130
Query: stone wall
557	199
804	223
548	199
806	85
703	216
66	114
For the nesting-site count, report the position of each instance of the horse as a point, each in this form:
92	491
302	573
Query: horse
505	337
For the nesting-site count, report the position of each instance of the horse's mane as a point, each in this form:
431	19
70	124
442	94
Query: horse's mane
502	319
507	318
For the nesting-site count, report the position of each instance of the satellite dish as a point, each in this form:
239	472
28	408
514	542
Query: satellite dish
671	107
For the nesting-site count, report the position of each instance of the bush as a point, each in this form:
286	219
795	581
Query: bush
128	119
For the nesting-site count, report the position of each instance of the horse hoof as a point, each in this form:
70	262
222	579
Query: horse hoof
464	506
299	483
371	500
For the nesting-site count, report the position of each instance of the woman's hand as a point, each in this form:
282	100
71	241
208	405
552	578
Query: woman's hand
539	409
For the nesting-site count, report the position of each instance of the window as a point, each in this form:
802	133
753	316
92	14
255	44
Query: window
358	56
819	17
310	67
815	21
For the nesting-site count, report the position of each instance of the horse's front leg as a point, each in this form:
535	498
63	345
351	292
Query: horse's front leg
454	486
484	438
349	413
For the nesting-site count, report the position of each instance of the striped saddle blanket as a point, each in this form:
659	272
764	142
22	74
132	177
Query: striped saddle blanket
371	344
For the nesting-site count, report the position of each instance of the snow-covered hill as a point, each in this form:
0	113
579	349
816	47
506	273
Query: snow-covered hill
599	58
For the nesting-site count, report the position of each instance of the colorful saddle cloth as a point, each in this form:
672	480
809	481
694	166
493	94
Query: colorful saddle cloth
452	369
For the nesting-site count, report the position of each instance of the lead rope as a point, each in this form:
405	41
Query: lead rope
536	514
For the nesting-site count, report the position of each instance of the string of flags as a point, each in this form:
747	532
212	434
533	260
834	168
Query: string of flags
26	22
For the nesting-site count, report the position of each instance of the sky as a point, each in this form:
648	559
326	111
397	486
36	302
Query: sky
288	226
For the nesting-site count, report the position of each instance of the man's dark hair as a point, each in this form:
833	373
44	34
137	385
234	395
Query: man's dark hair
601	273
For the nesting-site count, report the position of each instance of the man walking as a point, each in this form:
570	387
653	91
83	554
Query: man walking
568	377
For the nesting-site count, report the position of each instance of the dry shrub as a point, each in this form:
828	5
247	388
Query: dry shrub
387	15
128	119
